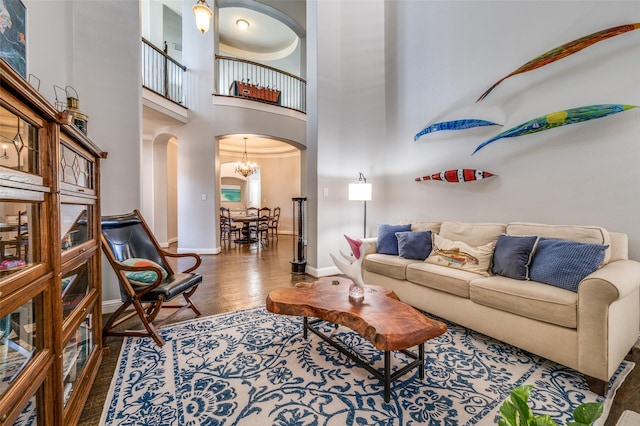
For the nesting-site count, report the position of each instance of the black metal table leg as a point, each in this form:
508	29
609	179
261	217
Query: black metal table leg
387	376
421	359
305	327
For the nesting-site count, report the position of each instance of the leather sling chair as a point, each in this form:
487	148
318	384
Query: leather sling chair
147	279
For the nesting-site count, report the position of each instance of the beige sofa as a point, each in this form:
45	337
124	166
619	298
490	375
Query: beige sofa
590	331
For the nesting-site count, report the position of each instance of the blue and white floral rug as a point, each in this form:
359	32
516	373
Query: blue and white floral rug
254	368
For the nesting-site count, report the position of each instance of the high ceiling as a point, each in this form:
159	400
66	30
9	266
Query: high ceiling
265	39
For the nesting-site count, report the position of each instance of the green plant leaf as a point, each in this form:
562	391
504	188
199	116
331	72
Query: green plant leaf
545	420
522	392
509	414
521	406
588	413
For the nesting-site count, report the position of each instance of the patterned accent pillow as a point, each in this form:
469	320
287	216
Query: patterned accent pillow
513	255
459	255
414	245
148	276
387	242
564	263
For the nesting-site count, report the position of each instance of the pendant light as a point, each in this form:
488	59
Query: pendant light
203	15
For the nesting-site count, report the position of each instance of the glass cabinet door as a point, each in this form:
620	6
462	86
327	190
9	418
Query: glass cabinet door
75	287
76	354
17	343
75	226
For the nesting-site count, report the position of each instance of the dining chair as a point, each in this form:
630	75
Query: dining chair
228	229
146	277
261	228
20	242
273	222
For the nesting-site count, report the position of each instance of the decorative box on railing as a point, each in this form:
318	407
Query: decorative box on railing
252	91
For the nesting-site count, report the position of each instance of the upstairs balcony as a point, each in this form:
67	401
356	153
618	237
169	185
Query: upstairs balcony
237	78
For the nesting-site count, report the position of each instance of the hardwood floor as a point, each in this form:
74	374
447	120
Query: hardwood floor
241	277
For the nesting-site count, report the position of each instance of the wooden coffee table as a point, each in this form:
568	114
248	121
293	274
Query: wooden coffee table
382	319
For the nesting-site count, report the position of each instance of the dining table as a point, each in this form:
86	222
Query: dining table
245	231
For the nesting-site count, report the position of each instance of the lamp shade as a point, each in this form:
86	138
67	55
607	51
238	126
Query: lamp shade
203	16
360	191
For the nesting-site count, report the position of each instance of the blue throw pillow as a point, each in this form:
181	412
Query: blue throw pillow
564	263
414	245
513	255
387	241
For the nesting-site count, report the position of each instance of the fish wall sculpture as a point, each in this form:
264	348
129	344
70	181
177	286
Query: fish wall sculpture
557	119
457	175
454	125
565	50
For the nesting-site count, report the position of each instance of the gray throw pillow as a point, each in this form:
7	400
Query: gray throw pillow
512	256
414	245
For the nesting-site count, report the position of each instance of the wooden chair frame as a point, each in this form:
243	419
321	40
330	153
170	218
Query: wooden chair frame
227	228
132	295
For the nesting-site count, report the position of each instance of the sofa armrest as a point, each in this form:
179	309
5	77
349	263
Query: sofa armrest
373	245
608	317
613	281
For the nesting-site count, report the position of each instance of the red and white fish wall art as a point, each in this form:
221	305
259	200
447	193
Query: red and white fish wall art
457	176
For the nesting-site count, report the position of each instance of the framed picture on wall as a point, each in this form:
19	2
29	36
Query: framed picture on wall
231	193
12	35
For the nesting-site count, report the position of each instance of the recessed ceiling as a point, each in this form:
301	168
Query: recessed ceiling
255	145
265	34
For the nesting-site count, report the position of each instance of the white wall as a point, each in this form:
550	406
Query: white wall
76	43
418	62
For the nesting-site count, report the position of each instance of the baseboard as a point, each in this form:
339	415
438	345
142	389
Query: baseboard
322	272
109	306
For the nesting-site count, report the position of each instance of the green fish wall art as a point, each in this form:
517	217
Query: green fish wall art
565	50
557	119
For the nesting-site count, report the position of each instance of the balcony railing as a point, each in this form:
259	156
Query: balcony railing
161	73
250	80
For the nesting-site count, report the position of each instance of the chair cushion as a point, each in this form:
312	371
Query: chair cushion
148	276
174	285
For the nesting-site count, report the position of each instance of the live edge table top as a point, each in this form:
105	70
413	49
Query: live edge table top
382	319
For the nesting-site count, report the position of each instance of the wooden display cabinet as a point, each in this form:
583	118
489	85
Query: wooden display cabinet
50	271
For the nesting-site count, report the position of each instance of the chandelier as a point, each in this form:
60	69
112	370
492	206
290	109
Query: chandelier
244	167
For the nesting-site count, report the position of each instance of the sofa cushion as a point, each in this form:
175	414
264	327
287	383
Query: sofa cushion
387	240
414	245
564	263
388	265
449	280
459	255
474	234
512	256
532	299
581	234
422	226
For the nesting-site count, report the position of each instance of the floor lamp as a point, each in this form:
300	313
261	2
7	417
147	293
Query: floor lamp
361	191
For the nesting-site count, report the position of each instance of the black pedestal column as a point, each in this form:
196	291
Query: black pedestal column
299	262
